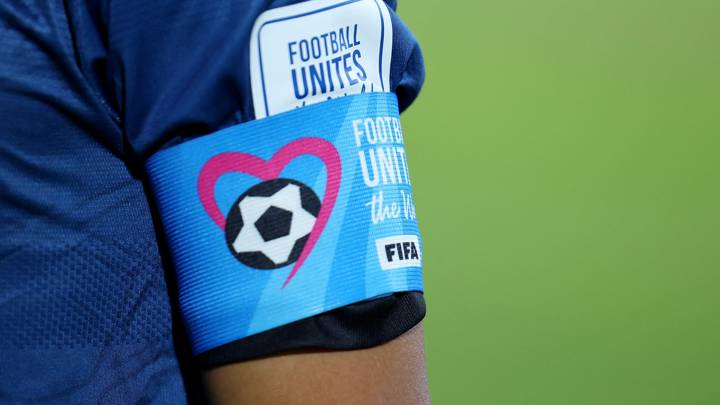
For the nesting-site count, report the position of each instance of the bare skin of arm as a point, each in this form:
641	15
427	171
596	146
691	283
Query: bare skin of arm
393	373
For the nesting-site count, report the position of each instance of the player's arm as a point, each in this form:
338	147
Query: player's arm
393	373
217	116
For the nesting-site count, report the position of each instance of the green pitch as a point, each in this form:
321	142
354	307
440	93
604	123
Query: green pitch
566	167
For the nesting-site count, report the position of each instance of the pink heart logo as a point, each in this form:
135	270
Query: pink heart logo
264	170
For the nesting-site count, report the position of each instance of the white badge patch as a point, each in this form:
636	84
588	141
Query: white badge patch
319	49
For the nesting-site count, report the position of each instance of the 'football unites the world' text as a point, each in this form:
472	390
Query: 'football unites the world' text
381	154
326	63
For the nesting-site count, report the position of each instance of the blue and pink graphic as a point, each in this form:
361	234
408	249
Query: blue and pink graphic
267	170
286	217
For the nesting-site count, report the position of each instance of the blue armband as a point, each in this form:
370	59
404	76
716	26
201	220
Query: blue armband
282	218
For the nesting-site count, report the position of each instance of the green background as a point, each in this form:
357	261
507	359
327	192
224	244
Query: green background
565	164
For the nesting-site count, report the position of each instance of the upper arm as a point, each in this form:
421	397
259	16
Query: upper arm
183	70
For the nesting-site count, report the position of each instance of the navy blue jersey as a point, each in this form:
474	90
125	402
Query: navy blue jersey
88	90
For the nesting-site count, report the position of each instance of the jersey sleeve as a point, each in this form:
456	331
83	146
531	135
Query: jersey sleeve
179	70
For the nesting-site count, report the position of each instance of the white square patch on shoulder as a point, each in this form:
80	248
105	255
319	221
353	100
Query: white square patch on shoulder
319	49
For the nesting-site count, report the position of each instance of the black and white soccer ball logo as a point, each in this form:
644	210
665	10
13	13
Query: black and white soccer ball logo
269	224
